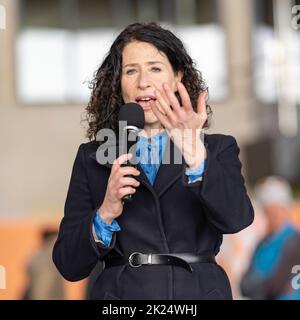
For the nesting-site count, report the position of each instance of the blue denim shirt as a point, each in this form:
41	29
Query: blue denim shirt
149	153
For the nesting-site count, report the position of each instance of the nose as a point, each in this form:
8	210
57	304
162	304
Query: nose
143	80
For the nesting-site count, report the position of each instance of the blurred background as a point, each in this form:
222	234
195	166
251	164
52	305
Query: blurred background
248	52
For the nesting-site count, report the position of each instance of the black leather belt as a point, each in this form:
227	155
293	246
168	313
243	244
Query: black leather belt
183	260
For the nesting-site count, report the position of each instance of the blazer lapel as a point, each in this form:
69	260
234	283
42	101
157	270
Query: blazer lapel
112	149
170	169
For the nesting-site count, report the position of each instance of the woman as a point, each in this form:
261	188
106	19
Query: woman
162	244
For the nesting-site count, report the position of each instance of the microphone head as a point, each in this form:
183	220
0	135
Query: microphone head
133	114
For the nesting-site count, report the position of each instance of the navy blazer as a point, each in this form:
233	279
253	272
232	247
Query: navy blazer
171	216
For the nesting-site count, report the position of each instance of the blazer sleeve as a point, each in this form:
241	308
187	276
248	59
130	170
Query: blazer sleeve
75	252
222	190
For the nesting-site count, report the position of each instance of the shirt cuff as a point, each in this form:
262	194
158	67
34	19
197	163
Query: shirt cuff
104	231
197	173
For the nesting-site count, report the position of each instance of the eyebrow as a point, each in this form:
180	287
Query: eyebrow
136	64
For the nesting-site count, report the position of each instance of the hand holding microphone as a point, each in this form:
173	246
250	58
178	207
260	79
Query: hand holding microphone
121	183
131	121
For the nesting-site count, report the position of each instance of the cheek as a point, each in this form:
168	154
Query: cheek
170	80
173	83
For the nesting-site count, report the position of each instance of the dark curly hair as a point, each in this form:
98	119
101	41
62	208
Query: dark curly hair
106	99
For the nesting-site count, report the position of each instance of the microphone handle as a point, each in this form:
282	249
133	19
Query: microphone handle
131	139
128	197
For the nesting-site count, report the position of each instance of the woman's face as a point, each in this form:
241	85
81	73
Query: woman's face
144	69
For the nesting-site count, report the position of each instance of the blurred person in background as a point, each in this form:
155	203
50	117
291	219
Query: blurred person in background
44	281
269	275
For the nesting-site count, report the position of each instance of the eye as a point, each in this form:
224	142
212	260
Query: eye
130	71
155	69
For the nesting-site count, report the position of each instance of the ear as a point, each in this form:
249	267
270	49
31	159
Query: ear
179	76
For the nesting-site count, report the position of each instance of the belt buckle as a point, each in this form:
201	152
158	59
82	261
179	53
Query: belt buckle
130	260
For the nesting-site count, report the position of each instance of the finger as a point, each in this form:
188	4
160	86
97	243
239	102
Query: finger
162	104
124	191
161	118
120	160
127	181
172	98
162	97
161	90
127	171
185	98
201	103
123	178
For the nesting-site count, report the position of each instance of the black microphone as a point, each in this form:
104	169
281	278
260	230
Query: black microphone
131	121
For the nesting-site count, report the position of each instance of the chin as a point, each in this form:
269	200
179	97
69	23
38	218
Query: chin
151	121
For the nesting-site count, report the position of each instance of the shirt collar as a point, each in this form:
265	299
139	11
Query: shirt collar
155	138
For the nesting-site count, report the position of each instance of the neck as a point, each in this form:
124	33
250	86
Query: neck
277	226
151	130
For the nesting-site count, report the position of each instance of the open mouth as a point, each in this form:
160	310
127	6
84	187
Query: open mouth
145	102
